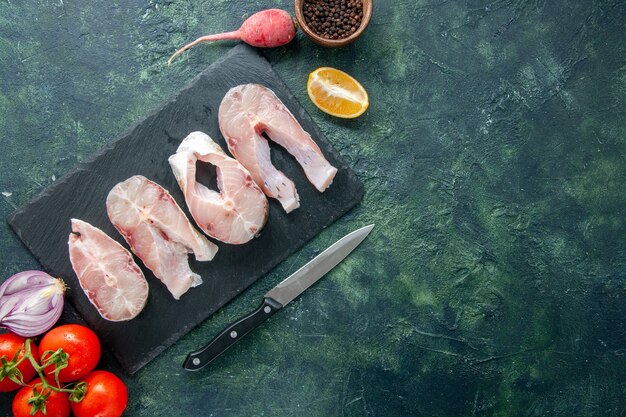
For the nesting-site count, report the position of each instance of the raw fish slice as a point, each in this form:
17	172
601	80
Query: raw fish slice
246	112
107	273
158	232
233	215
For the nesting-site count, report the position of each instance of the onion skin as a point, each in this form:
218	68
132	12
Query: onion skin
31	302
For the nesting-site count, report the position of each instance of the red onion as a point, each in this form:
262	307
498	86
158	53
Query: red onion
31	302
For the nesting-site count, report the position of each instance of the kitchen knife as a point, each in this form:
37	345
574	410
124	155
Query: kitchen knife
277	298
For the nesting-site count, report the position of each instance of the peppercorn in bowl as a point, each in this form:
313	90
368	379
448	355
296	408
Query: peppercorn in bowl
333	23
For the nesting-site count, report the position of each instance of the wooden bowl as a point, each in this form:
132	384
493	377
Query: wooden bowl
333	43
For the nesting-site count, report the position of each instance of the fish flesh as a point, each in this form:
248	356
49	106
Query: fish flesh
107	273
158	232
238	211
246	113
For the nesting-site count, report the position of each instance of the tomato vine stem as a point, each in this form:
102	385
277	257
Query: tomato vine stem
59	358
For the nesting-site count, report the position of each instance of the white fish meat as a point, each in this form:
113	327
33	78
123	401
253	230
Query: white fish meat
238	211
246	112
107	273
158	232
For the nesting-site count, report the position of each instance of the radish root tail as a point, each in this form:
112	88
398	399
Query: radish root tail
208	38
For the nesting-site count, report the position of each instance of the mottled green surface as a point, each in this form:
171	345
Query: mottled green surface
493	156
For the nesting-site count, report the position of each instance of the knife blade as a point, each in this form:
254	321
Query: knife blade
277	298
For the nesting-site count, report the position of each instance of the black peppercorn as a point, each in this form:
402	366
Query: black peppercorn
333	19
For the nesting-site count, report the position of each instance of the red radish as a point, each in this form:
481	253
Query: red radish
265	29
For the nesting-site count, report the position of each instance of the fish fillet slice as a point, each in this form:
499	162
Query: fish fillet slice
107	273
246	112
238	211
158	232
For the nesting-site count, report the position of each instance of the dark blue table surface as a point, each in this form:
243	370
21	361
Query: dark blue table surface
493	161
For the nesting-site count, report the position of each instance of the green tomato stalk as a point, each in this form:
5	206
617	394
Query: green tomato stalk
42	390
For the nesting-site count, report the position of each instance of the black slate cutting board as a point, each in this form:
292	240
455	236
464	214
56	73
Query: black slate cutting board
44	223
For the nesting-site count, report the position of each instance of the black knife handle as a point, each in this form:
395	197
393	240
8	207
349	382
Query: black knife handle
231	335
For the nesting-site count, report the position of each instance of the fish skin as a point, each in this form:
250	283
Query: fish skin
158	232
107	273
238	211
245	114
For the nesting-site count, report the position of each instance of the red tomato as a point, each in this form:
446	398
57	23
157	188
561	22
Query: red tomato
79	342
10	343
56	405
106	396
